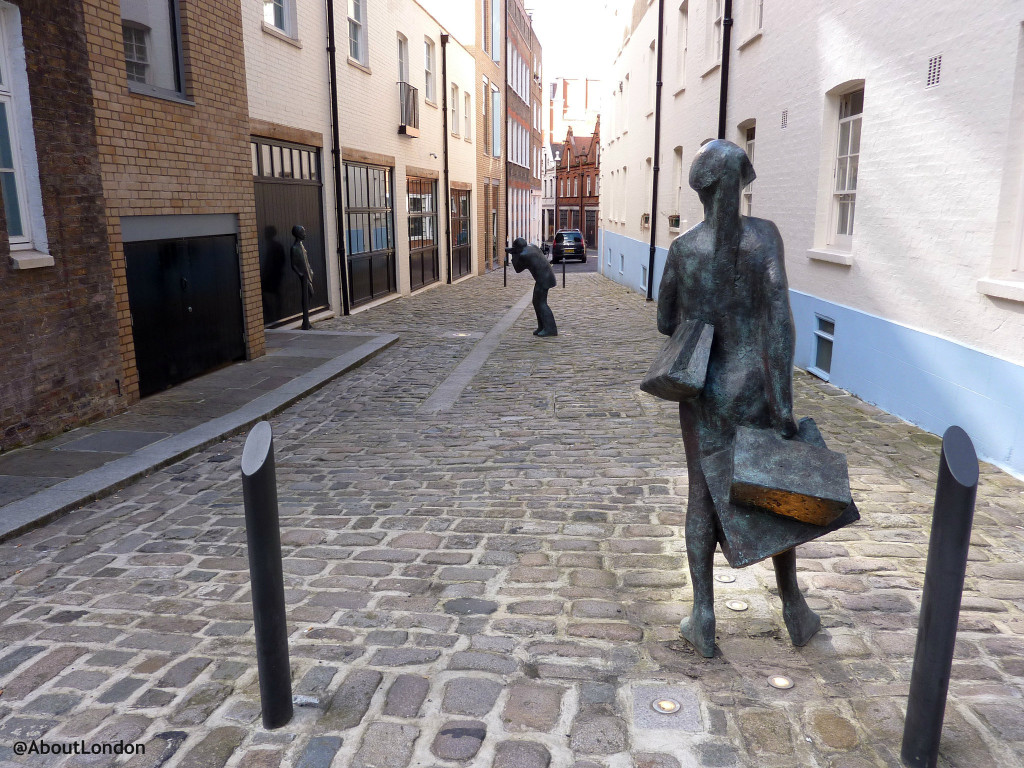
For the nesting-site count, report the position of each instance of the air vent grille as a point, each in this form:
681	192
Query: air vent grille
934	71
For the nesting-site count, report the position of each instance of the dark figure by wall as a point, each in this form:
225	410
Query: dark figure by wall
300	266
529	257
728	271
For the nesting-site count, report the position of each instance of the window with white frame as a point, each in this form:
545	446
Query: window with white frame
652	73
152	48
847	163
19	169
280	14
495	122
467	131
715	30
682	25
428	69
455	110
496	8
824	339
403	58
747	201
753	18
357	49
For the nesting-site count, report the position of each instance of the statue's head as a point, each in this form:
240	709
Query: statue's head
517	245
720	164
299	232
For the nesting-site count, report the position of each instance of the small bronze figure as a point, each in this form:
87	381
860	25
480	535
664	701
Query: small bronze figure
728	272
529	257
300	266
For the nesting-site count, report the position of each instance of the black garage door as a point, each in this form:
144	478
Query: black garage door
186	306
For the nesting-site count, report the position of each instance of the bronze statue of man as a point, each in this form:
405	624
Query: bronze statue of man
529	257
728	271
300	266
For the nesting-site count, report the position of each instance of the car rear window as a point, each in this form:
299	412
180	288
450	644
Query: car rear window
577	238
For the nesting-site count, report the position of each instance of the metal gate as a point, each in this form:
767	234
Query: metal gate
186	308
424	264
590	234
462	257
288	187
369	232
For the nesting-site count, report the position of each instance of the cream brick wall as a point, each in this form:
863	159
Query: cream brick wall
288	85
370	114
939	182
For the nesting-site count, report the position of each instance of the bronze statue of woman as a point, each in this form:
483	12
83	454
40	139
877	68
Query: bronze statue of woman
728	271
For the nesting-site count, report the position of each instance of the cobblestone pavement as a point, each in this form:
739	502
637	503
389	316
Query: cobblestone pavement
499	584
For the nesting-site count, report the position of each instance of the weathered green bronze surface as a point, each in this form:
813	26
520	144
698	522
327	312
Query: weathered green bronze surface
791	478
679	370
729	272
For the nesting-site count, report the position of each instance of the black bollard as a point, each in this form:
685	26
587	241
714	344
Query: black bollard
504	272
940	603
563	273
262	530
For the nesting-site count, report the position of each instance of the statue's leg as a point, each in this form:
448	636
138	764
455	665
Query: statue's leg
545	317
699	627
801	621
305	307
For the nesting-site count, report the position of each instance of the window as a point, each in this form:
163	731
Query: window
753	17
844	197
824	337
467	122
681	29
652	74
625	104
715	30
19	170
280	14
588	186
152	48
357	32
496	7
747	201
679	179
428	69
403	59
495	122
455	110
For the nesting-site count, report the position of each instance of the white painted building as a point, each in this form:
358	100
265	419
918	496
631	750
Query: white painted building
889	150
286	71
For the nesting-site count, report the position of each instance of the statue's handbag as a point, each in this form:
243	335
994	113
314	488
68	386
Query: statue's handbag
679	370
798	478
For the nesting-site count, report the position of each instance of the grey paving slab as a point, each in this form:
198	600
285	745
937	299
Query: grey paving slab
500	583
113	441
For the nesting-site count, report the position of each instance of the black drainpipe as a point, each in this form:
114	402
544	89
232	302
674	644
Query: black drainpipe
723	98
444	127
504	128
657	150
336	158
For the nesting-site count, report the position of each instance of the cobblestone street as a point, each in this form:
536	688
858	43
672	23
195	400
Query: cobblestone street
499	582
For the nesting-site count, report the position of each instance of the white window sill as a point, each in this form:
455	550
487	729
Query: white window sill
749	40
673	229
30	259
141	89
1013	290
844	258
679	91
359	65
273	31
651	113
823	375
429	103
712	68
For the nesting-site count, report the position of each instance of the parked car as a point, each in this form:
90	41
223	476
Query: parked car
568	244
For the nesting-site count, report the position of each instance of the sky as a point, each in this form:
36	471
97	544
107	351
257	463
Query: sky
579	38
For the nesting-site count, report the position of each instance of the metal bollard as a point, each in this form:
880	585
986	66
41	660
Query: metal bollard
262	530
563	273
940	604
504	272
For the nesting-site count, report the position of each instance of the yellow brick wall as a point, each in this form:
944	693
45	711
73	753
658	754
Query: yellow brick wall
163	157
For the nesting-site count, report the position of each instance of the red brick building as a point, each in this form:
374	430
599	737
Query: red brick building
577	186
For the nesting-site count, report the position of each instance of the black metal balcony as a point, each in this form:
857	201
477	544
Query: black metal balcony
409	107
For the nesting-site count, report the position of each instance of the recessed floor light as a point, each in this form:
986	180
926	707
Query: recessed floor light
736	605
725	578
778	681
665	706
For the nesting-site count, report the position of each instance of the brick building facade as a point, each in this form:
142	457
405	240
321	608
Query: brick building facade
577	184
61	362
